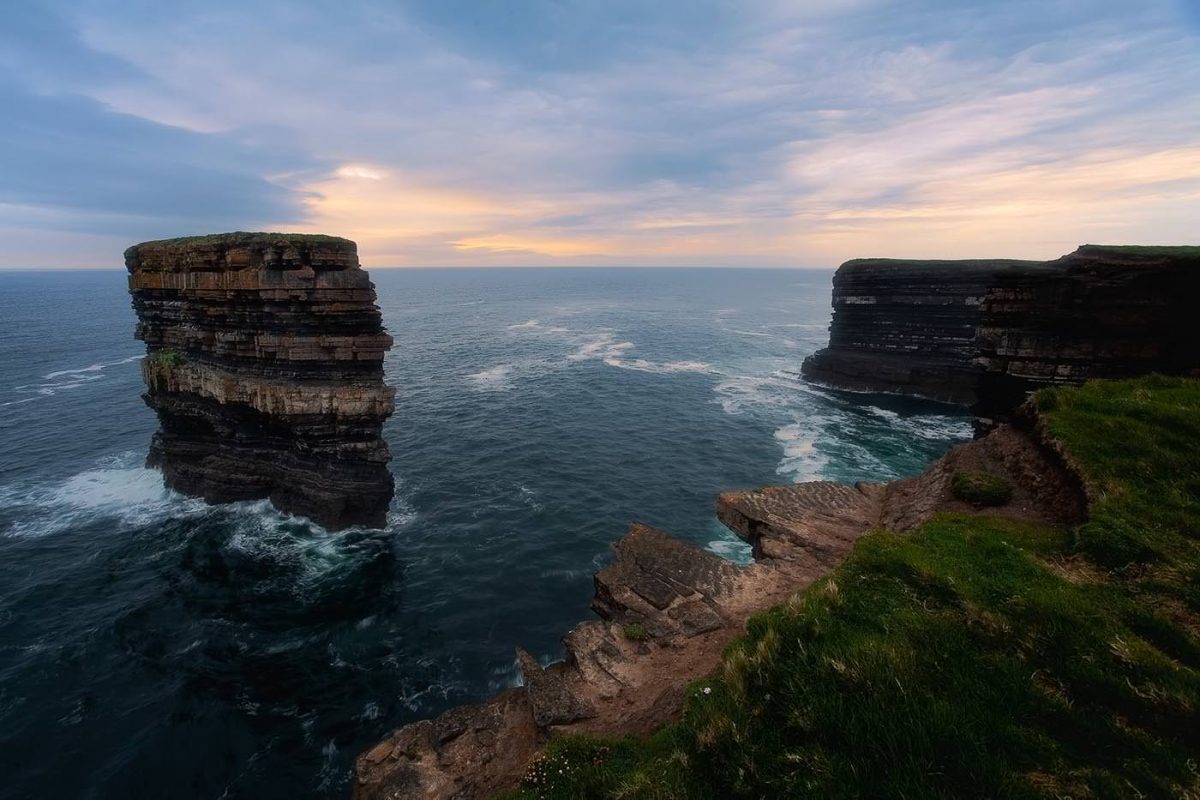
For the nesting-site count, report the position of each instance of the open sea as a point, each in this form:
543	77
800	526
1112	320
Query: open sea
154	646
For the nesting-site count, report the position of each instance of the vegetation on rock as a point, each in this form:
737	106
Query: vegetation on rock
635	632
981	488
980	656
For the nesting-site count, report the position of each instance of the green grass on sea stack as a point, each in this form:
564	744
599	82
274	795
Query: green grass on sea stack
979	656
245	238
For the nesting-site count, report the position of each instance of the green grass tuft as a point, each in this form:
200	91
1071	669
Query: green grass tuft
979	656
981	488
635	632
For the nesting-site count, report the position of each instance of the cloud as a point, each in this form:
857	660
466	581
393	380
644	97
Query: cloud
543	132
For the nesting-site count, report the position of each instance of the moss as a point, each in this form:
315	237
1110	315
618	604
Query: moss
979	656
166	358
635	632
981	488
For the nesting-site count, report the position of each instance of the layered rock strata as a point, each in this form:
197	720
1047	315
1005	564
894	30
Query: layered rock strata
264	364
905	326
1099	312
668	610
984	333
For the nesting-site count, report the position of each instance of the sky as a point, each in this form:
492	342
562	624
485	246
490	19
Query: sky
600	132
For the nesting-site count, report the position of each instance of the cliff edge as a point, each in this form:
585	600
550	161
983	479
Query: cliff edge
668	610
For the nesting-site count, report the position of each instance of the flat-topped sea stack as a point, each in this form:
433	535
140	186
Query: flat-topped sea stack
986	333
264	363
906	327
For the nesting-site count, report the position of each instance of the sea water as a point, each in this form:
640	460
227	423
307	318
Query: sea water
154	646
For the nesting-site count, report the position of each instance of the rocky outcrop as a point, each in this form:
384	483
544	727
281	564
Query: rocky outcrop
985	333
668	610
264	363
1100	312
906	327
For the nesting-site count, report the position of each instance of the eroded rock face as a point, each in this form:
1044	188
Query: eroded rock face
264	363
986	333
1100	312
906	327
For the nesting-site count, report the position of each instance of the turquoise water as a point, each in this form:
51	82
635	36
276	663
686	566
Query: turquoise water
154	646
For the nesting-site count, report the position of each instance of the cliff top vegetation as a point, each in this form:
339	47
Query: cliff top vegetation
977	657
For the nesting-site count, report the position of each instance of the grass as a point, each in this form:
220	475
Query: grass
981	488
635	632
1181	251
979	656
245	238
166	358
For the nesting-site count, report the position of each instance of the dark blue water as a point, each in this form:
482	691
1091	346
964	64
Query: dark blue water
152	646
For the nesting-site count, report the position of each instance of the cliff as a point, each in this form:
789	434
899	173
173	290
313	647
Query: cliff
669	610
906	327
985	333
1100	312
265	367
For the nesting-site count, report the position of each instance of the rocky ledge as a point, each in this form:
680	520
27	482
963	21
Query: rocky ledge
264	364
984	333
668	610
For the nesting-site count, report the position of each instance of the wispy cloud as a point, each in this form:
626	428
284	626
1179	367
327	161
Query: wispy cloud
537	132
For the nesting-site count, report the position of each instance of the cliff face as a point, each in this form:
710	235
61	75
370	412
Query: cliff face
1100	312
984	333
265	367
905	326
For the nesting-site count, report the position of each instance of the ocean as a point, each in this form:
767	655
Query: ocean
154	646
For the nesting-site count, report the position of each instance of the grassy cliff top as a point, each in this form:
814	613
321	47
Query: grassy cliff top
244	239
979	656
1176	251
963	263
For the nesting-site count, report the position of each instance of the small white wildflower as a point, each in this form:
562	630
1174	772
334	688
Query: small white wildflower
707	690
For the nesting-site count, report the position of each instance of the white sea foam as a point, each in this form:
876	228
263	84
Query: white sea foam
733	550
528	324
666	368
802	461
493	379
600	345
65	380
132	496
749	333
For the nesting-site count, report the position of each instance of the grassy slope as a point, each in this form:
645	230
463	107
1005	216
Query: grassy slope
977	657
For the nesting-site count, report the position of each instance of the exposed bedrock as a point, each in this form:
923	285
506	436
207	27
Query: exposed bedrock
264	364
668	610
905	326
984	333
1100	312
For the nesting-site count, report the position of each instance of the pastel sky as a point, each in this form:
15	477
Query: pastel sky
547	132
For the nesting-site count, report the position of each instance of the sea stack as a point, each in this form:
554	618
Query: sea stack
264	364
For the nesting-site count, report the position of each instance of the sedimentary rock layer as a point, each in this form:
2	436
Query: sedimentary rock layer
669	609
264	363
984	333
905	326
1099	312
